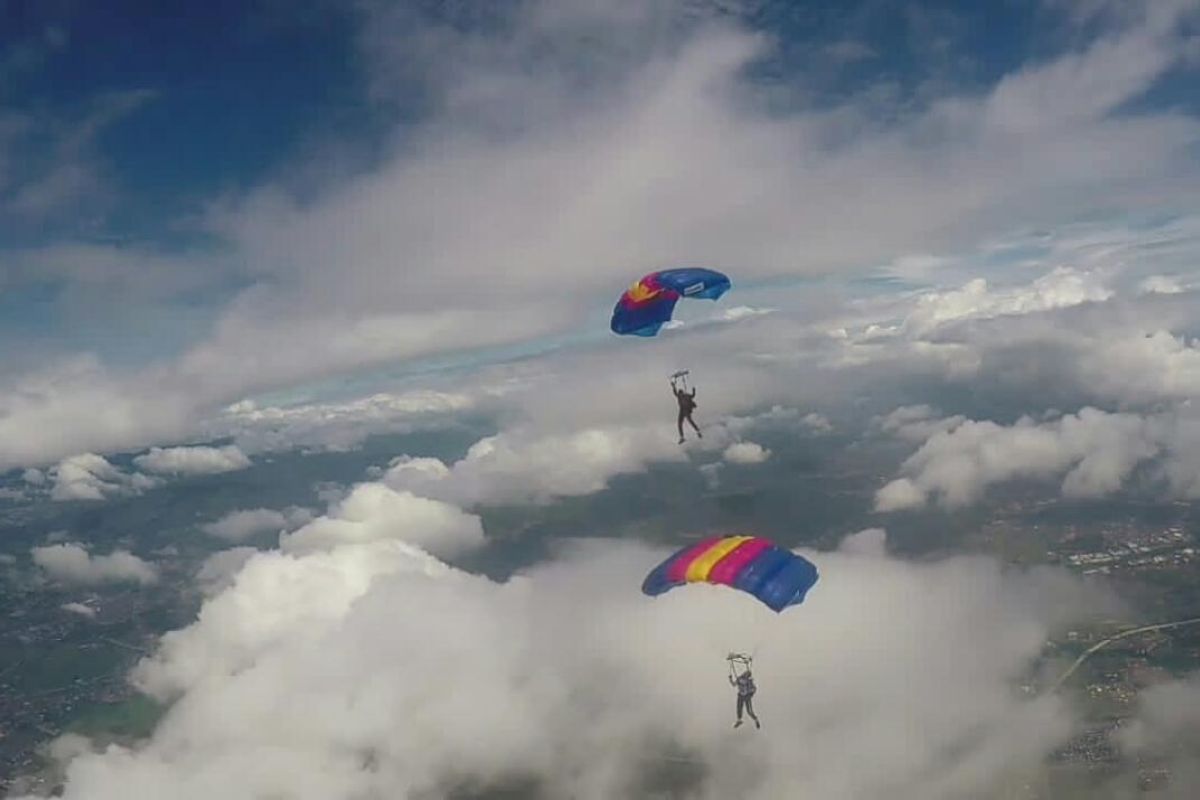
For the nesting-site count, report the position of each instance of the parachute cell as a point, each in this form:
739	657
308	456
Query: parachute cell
649	303
776	576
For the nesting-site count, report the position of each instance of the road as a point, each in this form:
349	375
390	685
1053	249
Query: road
1086	654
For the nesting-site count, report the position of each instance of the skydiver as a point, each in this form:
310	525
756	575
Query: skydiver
687	404
745	689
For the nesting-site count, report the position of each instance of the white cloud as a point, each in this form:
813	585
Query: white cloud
739	313
1161	284
219	570
900	494
817	423
72	564
91	477
239	525
195	460
1141	367
34	477
450	238
1056	344
80	609
917	423
87	406
337	426
871	542
524	465
746	453
1164	726
1061	288
325	674
1093	452
373	512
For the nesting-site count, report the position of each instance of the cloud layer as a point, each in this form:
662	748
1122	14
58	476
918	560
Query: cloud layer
551	152
419	679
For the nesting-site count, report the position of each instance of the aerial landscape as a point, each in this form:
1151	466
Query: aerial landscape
484	401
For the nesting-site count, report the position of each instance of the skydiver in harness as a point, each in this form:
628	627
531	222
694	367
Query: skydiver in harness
744	682
687	404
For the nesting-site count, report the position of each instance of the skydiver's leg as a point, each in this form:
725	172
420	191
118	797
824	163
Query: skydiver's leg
679	424
695	427
750	710
741	703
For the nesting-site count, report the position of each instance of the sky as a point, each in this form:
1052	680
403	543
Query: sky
258	197
963	234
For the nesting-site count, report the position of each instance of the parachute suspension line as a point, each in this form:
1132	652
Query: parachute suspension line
682	378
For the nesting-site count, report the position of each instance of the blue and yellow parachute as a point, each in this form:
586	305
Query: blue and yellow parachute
649	303
776	576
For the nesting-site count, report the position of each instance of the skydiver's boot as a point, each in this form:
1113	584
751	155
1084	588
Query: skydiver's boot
737	724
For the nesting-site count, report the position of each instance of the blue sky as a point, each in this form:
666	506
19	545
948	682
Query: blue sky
193	103
240	198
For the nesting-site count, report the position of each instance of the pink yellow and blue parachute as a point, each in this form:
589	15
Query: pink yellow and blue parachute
650	302
776	576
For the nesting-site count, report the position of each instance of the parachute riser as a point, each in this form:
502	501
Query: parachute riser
738	661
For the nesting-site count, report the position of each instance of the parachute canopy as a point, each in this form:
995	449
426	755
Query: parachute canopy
649	303
776	576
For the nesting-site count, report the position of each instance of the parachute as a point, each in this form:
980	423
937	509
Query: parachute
649	303
777	577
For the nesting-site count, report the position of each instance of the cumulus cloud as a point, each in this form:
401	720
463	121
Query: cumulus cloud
1161	284
80	609
72	564
900	494
218	571
817	423
525	465
746	453
1062	287
196	460
373	511
326	672
1093	452
1141	367
917	423
91	477
337	425
1046	349
239	525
